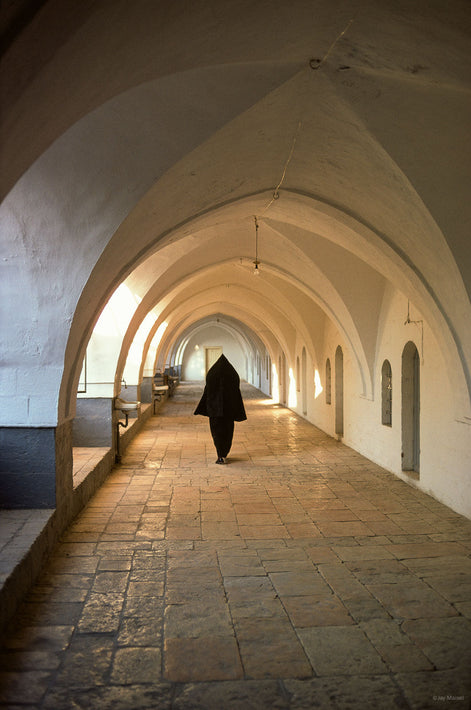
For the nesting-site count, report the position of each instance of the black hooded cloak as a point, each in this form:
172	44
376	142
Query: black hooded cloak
222	403
221	396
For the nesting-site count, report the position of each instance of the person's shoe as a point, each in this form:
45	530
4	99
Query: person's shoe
220	460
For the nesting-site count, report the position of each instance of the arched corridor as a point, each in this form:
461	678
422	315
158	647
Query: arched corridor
299	575
283	182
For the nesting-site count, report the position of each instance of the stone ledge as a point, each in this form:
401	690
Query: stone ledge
28	536
22	555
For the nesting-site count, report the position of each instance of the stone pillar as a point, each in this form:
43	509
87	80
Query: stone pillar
64	470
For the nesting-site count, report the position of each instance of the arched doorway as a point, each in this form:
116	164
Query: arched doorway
386	394
339	391
283	378
410	408
304	381
328	382
212	354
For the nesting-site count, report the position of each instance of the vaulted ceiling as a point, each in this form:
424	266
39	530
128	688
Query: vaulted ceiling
141	138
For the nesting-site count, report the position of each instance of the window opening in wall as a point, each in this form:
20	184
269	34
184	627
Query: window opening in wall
298	378
339	392
386	394
328	382
82	385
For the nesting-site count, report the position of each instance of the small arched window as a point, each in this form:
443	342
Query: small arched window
386	394
298	376
328	382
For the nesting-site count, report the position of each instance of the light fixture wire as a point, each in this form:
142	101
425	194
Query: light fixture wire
316	67
337	39
256	262
276	191
283	175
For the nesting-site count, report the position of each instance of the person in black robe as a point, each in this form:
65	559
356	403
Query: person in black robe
222	403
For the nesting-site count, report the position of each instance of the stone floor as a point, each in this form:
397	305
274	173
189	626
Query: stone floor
299	576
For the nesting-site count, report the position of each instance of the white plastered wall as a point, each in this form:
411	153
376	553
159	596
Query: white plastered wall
445	441
212	336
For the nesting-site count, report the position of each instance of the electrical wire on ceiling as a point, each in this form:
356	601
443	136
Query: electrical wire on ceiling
314	64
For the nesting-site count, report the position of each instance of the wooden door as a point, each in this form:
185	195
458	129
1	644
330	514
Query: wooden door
212	354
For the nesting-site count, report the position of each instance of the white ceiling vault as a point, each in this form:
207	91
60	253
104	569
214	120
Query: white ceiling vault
140	139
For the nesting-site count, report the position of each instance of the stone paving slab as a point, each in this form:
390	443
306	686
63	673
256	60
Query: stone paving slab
300	575
341	650
111	697
202	659
411	600
448	689
236	695
312	610
379	692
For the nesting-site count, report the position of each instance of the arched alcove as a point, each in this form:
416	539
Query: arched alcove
119	190
410	411
304	380
339	393
386	394
328	382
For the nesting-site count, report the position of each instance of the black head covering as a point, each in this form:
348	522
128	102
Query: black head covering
221	396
